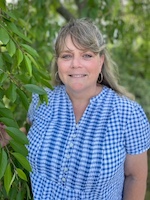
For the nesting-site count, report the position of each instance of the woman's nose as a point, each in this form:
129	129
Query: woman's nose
76	62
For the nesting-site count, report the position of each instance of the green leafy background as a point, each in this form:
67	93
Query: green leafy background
27	33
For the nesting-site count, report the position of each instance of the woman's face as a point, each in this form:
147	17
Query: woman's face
78	69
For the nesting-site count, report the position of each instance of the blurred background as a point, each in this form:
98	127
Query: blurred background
125	25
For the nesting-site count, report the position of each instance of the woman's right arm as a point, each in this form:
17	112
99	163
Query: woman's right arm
4	137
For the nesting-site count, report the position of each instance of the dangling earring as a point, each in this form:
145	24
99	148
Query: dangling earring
57	77
100	78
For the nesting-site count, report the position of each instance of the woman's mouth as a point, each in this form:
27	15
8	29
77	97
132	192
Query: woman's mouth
77	75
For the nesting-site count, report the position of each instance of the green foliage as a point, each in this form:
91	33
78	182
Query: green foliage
22	160
8	178
17	135
3	162
27	34
19	66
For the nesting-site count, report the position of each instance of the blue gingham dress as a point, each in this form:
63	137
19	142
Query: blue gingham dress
83	161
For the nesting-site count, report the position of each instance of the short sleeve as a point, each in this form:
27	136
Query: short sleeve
32	107
137	131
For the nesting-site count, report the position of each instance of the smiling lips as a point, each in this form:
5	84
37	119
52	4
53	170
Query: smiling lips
77	75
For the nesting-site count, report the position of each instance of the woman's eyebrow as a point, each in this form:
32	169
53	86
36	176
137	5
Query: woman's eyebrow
66	51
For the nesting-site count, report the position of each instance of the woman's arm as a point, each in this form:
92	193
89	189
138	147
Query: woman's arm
4	137
135	177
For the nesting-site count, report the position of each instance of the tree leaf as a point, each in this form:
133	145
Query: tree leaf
23	97
30	50
5	112
7	58
13	193
3	162
35	89
22	160
43	98
4	37
7	178
11	92
28	192
13	28
19	55
46	83
18	147
19	196
33	61
12	180
17	135
28	65
11	47
3	4
3	77
11	15
21	174
2	93
42	73
1	61
9	122
2	105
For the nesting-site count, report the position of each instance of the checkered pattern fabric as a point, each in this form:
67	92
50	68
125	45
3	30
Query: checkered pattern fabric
83	161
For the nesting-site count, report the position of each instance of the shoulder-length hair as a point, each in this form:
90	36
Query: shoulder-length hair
86	35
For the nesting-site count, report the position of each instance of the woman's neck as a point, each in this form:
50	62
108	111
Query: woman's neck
83	96
81	101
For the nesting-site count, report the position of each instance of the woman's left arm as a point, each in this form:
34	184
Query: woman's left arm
136	168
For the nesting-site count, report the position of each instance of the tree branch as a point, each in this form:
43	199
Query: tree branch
81	5
64	12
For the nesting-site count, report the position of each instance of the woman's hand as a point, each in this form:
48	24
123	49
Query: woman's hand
4	137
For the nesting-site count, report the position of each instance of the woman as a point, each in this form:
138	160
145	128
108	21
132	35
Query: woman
90	141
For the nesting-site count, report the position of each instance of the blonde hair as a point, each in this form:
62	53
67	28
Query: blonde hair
86	35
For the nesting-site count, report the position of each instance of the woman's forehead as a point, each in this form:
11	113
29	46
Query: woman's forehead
71	41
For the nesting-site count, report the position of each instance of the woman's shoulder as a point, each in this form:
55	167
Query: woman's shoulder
51	93
43	106
122	103
117	98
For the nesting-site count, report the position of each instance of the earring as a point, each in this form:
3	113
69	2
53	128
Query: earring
100	78
57	77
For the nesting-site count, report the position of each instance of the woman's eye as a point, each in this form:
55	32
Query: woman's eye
87	56
66	56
